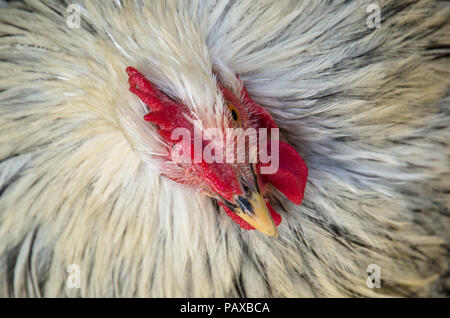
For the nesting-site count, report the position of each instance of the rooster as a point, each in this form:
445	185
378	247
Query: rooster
92	93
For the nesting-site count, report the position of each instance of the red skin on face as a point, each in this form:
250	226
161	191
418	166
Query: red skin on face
167	114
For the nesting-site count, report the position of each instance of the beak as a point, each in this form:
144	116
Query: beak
253	210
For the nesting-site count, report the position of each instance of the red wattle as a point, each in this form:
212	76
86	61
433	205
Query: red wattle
290	178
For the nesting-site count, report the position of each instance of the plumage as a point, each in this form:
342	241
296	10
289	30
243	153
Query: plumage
367	109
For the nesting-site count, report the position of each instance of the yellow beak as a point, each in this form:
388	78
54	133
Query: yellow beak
254	211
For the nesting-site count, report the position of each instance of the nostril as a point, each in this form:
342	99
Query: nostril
245	205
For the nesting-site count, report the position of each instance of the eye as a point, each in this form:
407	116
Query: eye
234	112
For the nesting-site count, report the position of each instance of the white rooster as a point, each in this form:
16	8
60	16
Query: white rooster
86	182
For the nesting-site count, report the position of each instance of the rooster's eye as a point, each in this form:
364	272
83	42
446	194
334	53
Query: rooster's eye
234	112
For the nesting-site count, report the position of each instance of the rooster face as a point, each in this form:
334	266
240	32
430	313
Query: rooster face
240	186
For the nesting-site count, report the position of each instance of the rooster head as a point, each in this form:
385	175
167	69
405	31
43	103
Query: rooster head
238	178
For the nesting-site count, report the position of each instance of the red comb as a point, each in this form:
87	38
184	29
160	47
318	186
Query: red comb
168	114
